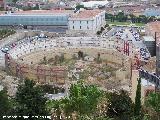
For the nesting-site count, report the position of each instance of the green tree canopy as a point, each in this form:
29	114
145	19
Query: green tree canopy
137	108
4	103
120	106
79	6
82	100
153	103
80	55
14	1
30	99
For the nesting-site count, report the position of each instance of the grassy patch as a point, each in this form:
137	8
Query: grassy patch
116	23
140	24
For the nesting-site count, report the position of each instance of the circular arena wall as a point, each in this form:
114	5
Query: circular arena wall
28	68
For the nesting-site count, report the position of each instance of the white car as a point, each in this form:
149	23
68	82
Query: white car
5	50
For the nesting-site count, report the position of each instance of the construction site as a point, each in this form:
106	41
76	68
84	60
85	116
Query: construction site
56	59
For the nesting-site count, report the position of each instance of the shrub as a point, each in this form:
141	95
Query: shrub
106	25
99	32
102	29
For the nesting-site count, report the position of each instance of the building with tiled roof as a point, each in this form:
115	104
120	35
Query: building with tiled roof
153	29
82	20
1	3
86	20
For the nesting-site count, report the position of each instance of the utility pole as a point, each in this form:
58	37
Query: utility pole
157	50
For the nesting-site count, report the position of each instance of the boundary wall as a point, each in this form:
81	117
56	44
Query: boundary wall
71	45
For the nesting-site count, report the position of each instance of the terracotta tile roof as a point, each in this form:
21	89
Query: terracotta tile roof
153	27
85	14
1	2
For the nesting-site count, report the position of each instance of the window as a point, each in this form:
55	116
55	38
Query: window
87	22
73	27
73	22
80	22
80	27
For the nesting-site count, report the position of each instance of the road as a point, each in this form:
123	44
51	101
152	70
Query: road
4	42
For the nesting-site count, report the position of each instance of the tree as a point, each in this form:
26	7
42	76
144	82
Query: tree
36	7
137	108
153	102
102	29
121	106
59	108
133	17
45	60
108	16
56	58
4	103
61	58
30	99
98	56
99	32
152	18
79	6
144	19
106	25
98	59
82	100
14	1
80	55
121	17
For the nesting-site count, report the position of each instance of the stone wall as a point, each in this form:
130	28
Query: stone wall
39	73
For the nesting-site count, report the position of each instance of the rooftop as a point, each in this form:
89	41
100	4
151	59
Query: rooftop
41	12
148	38
85	14
94	3
155	27
146	82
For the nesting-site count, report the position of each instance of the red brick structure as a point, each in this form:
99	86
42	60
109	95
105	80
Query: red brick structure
39	73
1	3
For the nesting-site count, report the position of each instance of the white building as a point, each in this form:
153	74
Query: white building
88	21
152	12
94	4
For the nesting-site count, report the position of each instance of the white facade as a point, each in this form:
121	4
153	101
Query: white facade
94	4
92	24
152	12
